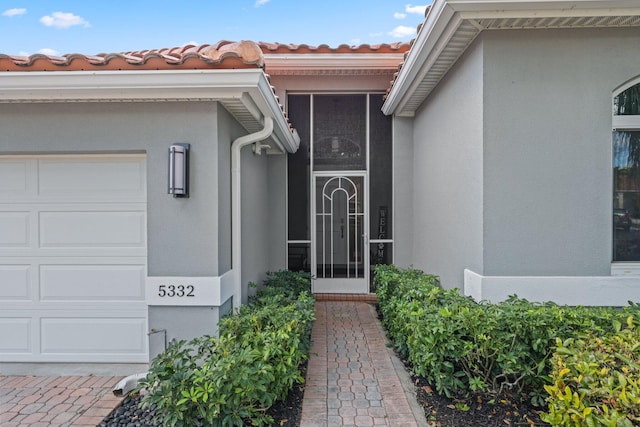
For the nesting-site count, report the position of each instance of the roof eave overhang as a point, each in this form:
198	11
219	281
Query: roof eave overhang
452	25
246	93
336	63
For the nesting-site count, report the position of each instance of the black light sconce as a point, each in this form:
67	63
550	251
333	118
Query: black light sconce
179	169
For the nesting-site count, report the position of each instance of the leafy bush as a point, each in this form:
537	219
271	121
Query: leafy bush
284	284
459	344
227	380
596	380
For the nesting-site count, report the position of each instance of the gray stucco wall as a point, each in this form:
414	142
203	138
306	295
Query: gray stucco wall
447	174
255	219
277	170
228	130
175	245
547	148
403	191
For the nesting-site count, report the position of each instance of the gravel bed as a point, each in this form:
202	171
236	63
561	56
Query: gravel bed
129	415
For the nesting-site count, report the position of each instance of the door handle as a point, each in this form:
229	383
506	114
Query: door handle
342	231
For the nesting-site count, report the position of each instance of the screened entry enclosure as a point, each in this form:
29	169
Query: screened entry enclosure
340	190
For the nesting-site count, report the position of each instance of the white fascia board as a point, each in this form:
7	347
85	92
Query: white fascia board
569	6
439	19
549	13
276	63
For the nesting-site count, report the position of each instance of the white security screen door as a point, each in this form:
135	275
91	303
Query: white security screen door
340	259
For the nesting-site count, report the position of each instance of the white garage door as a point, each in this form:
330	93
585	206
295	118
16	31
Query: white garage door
73	259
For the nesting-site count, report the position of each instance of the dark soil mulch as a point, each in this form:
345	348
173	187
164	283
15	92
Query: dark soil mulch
476	409
288	413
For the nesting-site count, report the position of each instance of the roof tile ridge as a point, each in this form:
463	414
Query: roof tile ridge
275	48
249	52
21	60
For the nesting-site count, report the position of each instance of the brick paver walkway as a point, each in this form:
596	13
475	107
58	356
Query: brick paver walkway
56	401
351	377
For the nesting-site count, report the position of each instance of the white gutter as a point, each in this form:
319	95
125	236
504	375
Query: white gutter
236	204
128	384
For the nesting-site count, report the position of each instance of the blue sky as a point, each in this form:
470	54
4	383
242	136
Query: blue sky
58	27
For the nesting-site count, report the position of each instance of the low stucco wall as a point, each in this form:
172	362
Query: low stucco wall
614	291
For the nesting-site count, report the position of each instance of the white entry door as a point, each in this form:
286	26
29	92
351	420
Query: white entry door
340	259
73	259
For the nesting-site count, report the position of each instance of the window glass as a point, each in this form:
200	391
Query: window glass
339	132
627	103
626	196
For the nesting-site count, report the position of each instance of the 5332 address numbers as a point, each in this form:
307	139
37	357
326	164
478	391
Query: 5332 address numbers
179	291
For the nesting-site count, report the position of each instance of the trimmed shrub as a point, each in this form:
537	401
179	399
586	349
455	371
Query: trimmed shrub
458	344
235	378
596	380
282	284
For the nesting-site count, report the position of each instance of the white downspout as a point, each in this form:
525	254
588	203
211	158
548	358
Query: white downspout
236	208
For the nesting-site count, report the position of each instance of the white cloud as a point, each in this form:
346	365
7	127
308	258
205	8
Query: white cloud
355	42
402	31
63	20
380	34
14	12
49	52
415	9
261	2
399	15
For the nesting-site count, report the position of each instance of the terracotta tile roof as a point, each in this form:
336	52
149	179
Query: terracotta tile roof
275	48
222	55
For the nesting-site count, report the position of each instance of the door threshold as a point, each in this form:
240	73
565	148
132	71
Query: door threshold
369	298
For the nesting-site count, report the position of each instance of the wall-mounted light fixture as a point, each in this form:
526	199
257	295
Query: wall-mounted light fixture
179	170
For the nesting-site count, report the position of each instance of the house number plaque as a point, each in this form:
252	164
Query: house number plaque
183	291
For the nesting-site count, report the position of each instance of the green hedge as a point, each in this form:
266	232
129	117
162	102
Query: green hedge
596	380
235	378
458	344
